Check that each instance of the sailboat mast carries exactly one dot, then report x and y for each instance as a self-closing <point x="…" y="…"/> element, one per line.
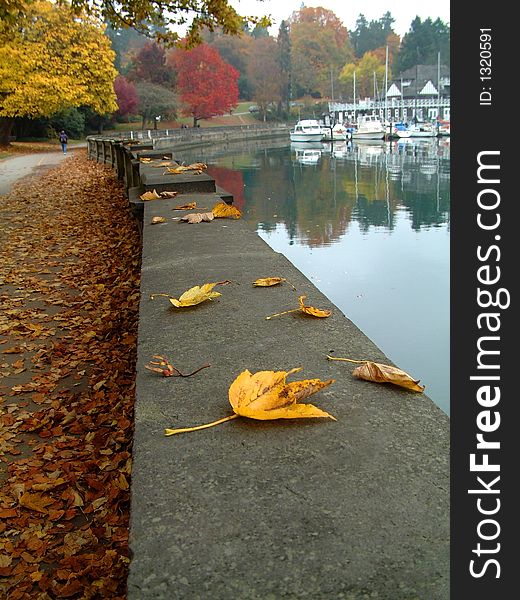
<point x="386" y="83"/>
<point x="354" y="94"/>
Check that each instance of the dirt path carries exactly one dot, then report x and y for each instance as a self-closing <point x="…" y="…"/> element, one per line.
<point x="69" y="290"/>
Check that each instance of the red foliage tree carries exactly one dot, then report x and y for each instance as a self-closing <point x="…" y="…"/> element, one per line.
<point x="208" y="85"/>
<point x="126" y="96"/>
<point x="149" y="64"/>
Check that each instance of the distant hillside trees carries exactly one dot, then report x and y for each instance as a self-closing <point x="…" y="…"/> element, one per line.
<point x="423" y="42"/>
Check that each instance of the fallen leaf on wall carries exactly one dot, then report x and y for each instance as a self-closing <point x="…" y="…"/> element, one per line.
<point x="193" y="296"/>
<point x="164" y="368"/>
<point x="308" y="310"/>
<point x="223" y="210"/>
<point x="198" y="217"/>
<point x="379" y="373"/>
<point x="268" y="281"/>
<point x="150" y="196"/>
<point x="265" y="395"/>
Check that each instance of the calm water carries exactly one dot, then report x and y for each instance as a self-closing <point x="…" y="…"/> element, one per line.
<point x="369" y="224"/>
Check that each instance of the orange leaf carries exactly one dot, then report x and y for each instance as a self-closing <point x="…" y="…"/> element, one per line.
<point x="310" y="310"/>
<point x="37" y="502"/>
<point x="226" y="210"/>
<point x="268" y="281"/>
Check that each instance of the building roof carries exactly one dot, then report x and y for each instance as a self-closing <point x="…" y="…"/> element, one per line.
<point x="421" y="80"/>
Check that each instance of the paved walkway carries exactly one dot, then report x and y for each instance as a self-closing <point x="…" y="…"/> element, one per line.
<point x="13" y="169"/>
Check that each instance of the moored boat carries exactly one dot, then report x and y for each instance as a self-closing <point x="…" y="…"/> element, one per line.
<point x="307" y="130"/>
<point x="338" y="132"/>
<point x="369" y="127"/>
<point x="423" y="130"/>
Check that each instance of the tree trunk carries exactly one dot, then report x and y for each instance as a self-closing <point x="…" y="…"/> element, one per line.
<point x="6" y="127"/>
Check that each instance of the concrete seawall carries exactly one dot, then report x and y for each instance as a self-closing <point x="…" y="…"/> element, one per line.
<point x="356" y="508"/>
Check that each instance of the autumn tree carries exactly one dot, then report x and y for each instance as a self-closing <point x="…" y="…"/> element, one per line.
<point x="157" y="19"/>
<point x="320" y="46"/>
<point x="127" y="99"/>
<point x="149" y="64"/>
<point x="206" y="83"/>
<point x="155" y="101"/>
<point x="235" y="50"/>
<point x="51" y="61"/>
<point x="370" y="73"/>
<point x="264" y="74"/>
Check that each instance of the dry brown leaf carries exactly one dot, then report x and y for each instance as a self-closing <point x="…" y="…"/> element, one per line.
<point x="150" y="196"/>
<point x="168" y="194"/>
<point x="165" y="163"/>
<point x="37" y="502"/>
<point x="223" y="210"/>
<point x="308" y="310"/>
<point x="380" y="373"/>
<point x="145" y="159"/>
<point x="187" y="206"/>
<point x="156" y="220"/>
<point x="268" y="281"/>
<point x="198" y="217"/>
<point x="196" y="167"/>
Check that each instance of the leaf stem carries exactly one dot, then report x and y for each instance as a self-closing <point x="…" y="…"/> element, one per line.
<point x="193" y="373"/>
<point x="347" y="359"/>
<point x="285" y="312"/>
<point x="187" y="429"/>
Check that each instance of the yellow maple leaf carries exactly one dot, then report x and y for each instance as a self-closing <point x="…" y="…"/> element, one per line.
<point x="265" y="395"/>
<point x="194" y="295"/>
<point x="268" y="281"/>
<point x="226" y="210"/>
<point x="308" y="310"/>
<point x="380" y="373"/>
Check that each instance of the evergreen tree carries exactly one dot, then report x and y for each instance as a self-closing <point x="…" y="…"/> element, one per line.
<point x="422" y="43"/>
<point x="284" y="59"/>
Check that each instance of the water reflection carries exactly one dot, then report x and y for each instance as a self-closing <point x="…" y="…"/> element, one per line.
<point x="368" y="222"/>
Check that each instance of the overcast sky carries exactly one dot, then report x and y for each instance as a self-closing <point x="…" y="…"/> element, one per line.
<point x="403" y="11"/>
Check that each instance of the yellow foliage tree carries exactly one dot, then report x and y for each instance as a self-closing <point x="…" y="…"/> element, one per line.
<point x="365" y="68"/>
<point x="158" y="19"/>
<point x="50" y="60"/>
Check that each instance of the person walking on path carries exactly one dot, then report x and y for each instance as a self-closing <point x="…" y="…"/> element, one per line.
<point x="63" y="139"/>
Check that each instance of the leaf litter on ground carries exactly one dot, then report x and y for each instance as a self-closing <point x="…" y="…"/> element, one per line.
<point x="69" y="295"/>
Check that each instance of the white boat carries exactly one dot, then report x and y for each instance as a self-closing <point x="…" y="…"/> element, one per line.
<point x="338" y="132"/>
<point x="369" y="127"/>
<point x="397" y="131"/>
<point x="424" y="130"/>
<point x="307" y="130"/>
